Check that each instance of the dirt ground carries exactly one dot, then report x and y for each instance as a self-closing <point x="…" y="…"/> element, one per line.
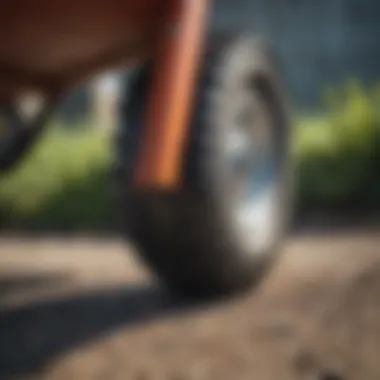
<point x="85" y="309"/>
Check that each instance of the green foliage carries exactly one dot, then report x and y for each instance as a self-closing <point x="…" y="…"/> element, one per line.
<point x="339" y="160"/>
<point x="63" y="184"/>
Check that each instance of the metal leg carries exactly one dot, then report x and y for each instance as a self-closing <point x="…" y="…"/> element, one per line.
<point x="170" y="103"/>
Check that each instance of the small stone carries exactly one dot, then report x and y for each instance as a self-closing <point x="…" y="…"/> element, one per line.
<point x="304" y="362"/>
<point x="330" y="375"/>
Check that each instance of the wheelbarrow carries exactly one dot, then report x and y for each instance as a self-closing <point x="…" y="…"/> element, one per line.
<point x="203" y="172"/>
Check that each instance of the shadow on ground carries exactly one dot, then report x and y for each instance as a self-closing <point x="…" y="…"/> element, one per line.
<point x="17" y="284"/>
<point x="31" y="336"/>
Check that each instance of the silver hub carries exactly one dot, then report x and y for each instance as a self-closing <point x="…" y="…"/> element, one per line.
<point x="250" y="152"/>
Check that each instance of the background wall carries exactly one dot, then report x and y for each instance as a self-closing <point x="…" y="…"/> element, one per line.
<point x="320" y="42"/>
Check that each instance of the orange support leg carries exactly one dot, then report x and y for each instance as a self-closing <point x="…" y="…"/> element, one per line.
<point x="172" y="94"/>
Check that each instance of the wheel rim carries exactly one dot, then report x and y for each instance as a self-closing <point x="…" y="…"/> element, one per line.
<point x="253" y="171"/>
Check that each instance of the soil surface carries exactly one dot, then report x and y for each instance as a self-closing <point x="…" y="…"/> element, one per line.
<point x="86" y="309"/>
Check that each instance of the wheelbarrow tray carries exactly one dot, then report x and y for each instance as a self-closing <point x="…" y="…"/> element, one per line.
<point x="49" y="44"/>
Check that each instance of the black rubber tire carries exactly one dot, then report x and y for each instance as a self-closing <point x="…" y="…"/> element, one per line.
<point x="186" y="237"/>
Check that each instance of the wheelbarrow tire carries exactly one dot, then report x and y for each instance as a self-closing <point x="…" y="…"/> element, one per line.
<point x="190" y="237"/>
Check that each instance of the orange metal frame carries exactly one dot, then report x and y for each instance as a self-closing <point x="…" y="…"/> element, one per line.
<point x="171" y="99"/>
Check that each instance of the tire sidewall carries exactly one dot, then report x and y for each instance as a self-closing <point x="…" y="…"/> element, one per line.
<point x="247" y="56"/>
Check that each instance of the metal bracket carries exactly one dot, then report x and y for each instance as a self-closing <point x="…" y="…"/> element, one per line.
<point x="166" y="127"/>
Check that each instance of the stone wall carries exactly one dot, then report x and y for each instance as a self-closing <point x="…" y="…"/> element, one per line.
<point x="319" y="42"/>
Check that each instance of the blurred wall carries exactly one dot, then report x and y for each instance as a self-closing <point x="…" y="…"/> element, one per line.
<point x="76" y="106"/>
<point x="319" y="43"/>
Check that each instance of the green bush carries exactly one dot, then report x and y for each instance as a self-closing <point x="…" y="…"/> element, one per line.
<point x="64" y="184"/>
<point x="339" y="160"/>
